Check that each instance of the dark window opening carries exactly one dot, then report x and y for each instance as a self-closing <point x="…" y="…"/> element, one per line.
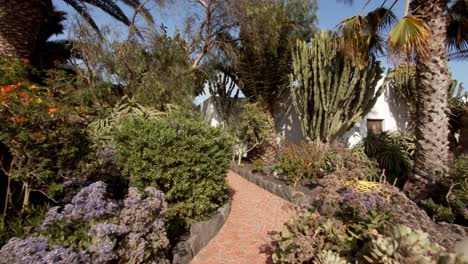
<point x="374" y="126"/>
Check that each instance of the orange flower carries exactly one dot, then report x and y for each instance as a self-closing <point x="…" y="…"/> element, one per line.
<point x="20" y="84"/>
<point x="26" y="61"/>
<point x="22" y="94"/>
<point x="56" y="62"/>
<point x="19" y="120"/>
<point x="51" y="110"/>
<point x="8" y="88"/>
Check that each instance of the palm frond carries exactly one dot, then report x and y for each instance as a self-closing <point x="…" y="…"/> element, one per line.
<point x="380" y="19"/>
<point x="354" y="32"/>
<point x="457" y="30"/>
<point x="409" y="36"/>
<point x="459" y="55"/>
<point x="82" y="10"/>
<point x="138" y="5"/>
<point x="111" y="8"/>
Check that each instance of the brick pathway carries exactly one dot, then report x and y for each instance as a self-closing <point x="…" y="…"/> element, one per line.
<point x="254" y="214"/>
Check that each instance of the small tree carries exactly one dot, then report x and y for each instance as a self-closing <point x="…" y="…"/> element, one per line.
<point x="252" y="130"/>
<point x="330" y="92"/>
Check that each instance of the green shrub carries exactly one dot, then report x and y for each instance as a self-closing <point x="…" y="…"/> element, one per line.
<point x="183" y="157"/>
<point x="45" y="141"/>
<point x="393" y="152"/>
<point x="307" y="161"/>
<point x="439" y="212"/>
<point x="22" y="224"/>
<point x="257" y="166"/>
<point x="451" y="195"/>
<point x="252" y="129"/>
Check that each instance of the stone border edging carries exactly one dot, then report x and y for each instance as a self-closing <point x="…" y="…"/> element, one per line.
<point x="200" y="234"/>
<point x="274" y="186"/>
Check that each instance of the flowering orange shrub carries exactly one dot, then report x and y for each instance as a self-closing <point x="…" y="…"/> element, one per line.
<point x="35" y="127"/>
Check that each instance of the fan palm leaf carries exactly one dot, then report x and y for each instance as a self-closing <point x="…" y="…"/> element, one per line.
<point x="410" y="35"/>
<point x="363" y="35"/>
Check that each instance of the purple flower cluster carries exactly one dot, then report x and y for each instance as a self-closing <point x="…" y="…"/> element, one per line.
<point x="130" y="231"/>
<point x="89" y="203"/>
<point x="36" y="250"/>
<point x="143" y="215"/>
<point x="362" y="203"/>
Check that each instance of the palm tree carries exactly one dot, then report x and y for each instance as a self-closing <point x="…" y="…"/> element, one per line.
<point x="409" y="40"/>
<point x="22" y="21"/>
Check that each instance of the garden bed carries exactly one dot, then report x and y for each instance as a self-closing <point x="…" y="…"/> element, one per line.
<point x="200" y="235"/>
<point x="447" y="234"/>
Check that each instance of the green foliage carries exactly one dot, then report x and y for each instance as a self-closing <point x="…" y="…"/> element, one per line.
<point x="308" y="161"/>
<point x="261" y="59"/>
<point x="22" y="224"/>
<point x="257" y="166"/>
<point x="252" y="129"/>
<point x="154" y="71"/>
<point x="100" y="130"/>
<point x="330" y="92"/>
<point x="448" y="201"/>
<point x="439" y="212"/>
<point x="393" y="152"/>
<point x="181" y="156"/>
<point x="44" y="141"/>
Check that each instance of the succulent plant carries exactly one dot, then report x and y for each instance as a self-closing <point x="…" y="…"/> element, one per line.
<point x="403" y="246"/>
<point x="452" y="259"/>
<point x="329" y="257"/>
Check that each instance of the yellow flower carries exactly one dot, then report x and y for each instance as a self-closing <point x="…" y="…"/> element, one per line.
<point x="33" y="86"/>
<point x="38" y="100"/>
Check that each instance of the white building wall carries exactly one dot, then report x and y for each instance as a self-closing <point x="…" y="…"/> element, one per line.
<point x="388" y="108"/>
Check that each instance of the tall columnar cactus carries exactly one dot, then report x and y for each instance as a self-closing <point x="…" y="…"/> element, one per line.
<point x="329" y="91"/>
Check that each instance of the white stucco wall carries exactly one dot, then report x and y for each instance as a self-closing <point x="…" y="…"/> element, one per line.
<point x="388" y="108"/>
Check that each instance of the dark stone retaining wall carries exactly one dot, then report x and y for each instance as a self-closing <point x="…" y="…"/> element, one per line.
<point x="297" y="196"/>
<point x="200" y="234"/>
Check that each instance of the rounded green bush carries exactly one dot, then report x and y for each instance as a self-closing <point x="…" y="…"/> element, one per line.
<point x="181" y="156"/>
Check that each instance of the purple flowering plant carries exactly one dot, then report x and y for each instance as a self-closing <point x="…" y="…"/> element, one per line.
<point x="96" y="229"/>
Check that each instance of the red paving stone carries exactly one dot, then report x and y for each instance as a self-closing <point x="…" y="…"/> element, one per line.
<point x="254" y="214"/>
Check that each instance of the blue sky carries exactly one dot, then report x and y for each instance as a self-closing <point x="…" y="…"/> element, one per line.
<point x="330" y="13"/>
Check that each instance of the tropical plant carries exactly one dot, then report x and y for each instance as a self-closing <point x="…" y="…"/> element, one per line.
<point x="330" y="93"/>
<point x="394" y="154"/>
<point x="259" y="54"/>
<point x="22" y="22"/>
<point x="409" y="40"/>
<point x="182" y="156"/>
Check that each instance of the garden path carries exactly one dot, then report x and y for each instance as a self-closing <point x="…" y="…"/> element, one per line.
<point x="255" y="213"/>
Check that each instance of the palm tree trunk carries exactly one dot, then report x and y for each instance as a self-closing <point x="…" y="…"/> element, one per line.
<point x="20" y="23"/>
<point x="432" y="83"/>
